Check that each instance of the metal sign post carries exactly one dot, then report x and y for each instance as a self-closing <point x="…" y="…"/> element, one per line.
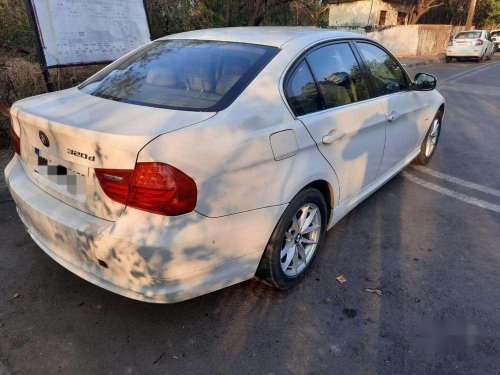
<point x="42" y="21"/>
<point x="39" y="48"/>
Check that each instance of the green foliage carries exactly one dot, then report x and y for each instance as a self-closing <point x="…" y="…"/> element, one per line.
<point x="169" y="16"/>
<point x="454" y="12"/>
<point x="491" y="14"/>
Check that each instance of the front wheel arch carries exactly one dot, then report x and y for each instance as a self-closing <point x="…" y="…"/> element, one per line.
<point x="423" y="158"/>
<point x="440" y="112"/>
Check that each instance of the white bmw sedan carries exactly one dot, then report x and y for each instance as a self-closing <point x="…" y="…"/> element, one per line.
<point x="206" y="158"/>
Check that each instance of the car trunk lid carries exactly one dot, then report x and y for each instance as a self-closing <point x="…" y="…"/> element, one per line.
<point x="66" y="135"/>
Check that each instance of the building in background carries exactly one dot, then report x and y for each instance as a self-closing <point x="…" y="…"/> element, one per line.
<point x="368" y="12"/>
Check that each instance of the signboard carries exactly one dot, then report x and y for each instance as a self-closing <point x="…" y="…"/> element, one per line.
<point x="79" y="32"/>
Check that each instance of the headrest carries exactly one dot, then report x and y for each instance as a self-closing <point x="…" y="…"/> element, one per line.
<point x="199" y="79"/>
<point x="235" y="65"/>
<point x="161" y="76"/>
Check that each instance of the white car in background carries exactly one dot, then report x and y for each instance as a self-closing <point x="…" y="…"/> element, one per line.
<point x="205" y="158"/>
<point x="475" y="44"/>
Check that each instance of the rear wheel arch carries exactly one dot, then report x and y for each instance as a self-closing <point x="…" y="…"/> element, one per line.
<point x="270" y="269"/>
<point x="326" y="189"/>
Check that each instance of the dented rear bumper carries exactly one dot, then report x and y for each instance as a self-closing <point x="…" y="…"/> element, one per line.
<point x="143" y="256"/>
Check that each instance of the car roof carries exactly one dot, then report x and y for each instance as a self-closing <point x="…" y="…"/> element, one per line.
<point x="275" y="36"/>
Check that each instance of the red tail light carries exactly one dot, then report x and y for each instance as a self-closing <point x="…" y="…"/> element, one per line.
<point x="479" y="42"/>
<point x="153" y="187"/>
<point x="115" y="183"/>
<point x="450" y="43"/>
<point x="16" y="141"/>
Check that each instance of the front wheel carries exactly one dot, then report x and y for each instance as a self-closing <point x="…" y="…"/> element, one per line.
<point x="430" y="142"/>
<point x="295" y="241"/>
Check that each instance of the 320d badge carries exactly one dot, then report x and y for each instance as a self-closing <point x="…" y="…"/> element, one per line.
<point x="82" y="155"/>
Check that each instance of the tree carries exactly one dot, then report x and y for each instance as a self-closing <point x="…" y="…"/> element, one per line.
<point x="258" y="9"/>
<point x="491" y="13"/>
<point x="422" y="7"/>
<point x="454" y="12"/>
<point x="309" y="12"/>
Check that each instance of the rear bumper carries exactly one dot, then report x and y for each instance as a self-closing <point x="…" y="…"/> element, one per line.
<point x="460" y="52"/>
<point x="146" y="257"/>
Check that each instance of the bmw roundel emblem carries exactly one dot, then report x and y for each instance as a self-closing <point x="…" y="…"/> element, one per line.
<point x="44" y="138"/>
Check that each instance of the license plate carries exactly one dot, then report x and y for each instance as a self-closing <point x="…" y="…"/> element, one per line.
<point x="65" y="176"/>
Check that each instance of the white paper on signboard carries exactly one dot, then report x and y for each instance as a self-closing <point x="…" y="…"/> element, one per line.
<point x="89" y="31"/>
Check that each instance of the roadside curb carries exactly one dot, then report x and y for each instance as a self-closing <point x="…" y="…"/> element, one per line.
<point x="414" y="64"/>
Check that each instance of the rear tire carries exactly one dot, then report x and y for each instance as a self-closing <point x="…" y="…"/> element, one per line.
<point x="295" y="241"/>
<point x="429" y="144"/>
<point x="448" y="59"/>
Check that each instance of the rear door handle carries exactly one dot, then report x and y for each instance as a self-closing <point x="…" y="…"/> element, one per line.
<point x="333" y="136"/>
<point x="393" y="116"/>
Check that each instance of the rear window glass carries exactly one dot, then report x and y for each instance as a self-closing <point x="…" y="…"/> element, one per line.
<point x="181" y="74"/>
<point x="468" y="35"/>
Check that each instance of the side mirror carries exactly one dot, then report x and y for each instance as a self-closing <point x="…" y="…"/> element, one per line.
<point x="424" y="82"/>
<point x="4" y="108"/>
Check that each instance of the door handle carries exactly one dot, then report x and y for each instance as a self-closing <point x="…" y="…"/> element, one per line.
<point x="393" y="116"/>
<point x="333" y="136"/>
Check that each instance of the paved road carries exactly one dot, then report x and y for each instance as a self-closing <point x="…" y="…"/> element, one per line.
<point x="429" y="240"/>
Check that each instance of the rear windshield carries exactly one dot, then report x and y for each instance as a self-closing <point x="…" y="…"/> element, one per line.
<point x="192" y="75"/>
<point x="468" y="35"/>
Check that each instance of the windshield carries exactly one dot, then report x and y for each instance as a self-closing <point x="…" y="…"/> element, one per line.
<point x="191" y="75"/>
<point x="468" y="35"/>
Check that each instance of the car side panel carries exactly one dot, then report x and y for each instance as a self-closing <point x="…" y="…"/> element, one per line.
<point x="403" y="133"/>
<point x="230" y="156"/>
<point x="357" y="155"/>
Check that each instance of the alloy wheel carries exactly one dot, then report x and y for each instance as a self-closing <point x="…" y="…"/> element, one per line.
<point x="301" y="240"/>
<point x="432" y="138"/>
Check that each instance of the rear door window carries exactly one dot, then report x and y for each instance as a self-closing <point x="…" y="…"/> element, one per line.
<point x="339" y="76"/>
<point x="387" y="75"/>
<point x="192" y="75"/>
<point x="302" y="92"/>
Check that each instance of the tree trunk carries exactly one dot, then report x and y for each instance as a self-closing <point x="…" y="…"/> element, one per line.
<point x="228" y="12"/>
<point x="257" y="13"/>
<point x="470" y="14"/>
<point x="421" y="8"/>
